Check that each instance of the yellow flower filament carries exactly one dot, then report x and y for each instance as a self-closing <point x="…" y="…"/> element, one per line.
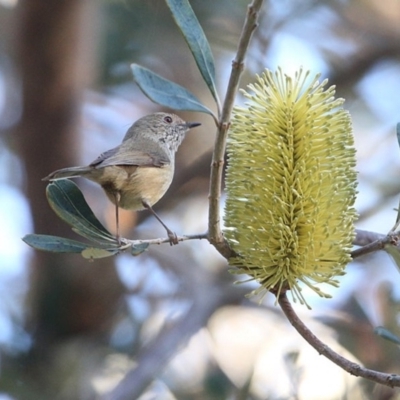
<point x="290" y="184"/>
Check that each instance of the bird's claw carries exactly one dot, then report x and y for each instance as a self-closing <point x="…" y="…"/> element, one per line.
<point x="173" y="238"/>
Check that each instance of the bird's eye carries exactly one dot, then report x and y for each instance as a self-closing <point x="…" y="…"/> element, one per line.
<point x="168" y="119"/>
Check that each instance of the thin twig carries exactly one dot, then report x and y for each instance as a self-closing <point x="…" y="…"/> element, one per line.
<point x="366" y="237"/>
<point x="376" y="242"/>
<point x="349" y="366"/>
<point x="214" y="222"/>
<point x="128" y="242"/>
<point x="369" y="248"/>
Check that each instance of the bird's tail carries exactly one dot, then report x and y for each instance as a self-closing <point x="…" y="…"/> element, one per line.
<point x="71" y="172"/>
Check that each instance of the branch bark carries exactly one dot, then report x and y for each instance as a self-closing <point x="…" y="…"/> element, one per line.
<point x="390" y="380"/>
<point x="217" y="165"/>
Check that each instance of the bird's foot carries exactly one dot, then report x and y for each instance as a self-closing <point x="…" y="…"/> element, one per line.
<point x="173" y="238"/>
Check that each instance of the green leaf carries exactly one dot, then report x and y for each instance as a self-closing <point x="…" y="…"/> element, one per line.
<point x="92" y="253"/>
<point x="139" y="248"/>
<point x="395" y="253"/>
<point x="165" y="92"/>
<point x="386" y="334"/>
<point x="54" y="244"/>
<point x="396" y="225"/>
<point x="67" y="201"/>
<point x="194" y="35"/>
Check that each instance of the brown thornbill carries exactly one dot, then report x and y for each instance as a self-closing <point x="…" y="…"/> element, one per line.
<point x="137" y="173"/>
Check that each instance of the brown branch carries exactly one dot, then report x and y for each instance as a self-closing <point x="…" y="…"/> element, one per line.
<point x="214" y="222"/>
<point x="371" y="242"/>
<point x="366" y="237"/>
<point x="369" y="248"/>
<point x="391" y="380"/>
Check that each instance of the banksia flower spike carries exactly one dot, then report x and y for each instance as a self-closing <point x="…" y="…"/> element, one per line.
<point x="291" y="185"/>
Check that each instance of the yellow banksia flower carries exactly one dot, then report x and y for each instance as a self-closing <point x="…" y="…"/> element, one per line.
<point x="291" y="185"/>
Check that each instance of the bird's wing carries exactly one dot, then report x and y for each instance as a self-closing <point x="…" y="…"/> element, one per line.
<point x="122" y="156"/>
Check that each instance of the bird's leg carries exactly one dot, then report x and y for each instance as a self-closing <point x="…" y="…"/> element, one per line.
<point x="117" y="197"/>
<point x="173" y="239"/>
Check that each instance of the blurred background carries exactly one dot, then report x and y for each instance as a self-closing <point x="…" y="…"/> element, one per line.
<point x="70" y="329"/>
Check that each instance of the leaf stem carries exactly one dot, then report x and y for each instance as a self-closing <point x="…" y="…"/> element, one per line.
<point x="217" y="166"/>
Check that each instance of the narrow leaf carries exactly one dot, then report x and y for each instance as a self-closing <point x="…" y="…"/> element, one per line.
<point x="397" y="218"/>
<point x="398" y="209"/>
<point x="139" y="248"/>
<point x="54" y="244"/>
<point x="386" y="334"/>
<point x="194" y="35"/>
<point x="92" y="253"/>
<point x="67" y="201"/>
<point x="395" y="253"/>
<point x="165" y="92"/>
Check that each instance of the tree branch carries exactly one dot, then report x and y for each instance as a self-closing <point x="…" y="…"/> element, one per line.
<point x="214" y="222"/>
<point x="371" y="241"/>
<point x="126" y="243"/>
<point x="391" y="380"/>
<point x="366" y="237"/>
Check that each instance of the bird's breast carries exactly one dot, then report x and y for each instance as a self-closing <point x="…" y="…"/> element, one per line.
<point x="135" y="185"/>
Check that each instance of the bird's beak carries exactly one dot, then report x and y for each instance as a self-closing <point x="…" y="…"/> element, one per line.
<point x="191" y="125"/>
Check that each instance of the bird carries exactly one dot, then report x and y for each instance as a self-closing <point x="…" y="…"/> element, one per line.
<point x="138" y="172"/>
